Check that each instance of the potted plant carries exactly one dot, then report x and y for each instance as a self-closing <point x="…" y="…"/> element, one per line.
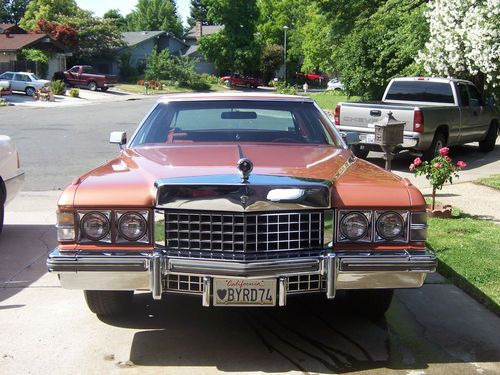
<point x="438" y="171"/>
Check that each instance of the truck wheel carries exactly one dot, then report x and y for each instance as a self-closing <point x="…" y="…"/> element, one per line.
<point x="358" y="152"/>
<point x="488" y="144"/>
<point x="438" y="142"/>
<point x="104" y="89"/>
<point x="92" y="86"/>
<point x="370" y="302"/>
<point x="108" y="303"/>
<point x="248" y="86"/>
<point x="29" y="90"/>
<point x="227" y="83"/>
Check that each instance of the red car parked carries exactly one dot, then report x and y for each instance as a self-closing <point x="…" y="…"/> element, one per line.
<point x="240" y="80"/>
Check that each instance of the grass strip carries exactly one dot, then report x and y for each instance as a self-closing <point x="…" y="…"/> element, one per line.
<point x="468" y="250"/>
<point x="330" y="99"/>
<point x="167" y="89"/>
<point x="491" y="181"/>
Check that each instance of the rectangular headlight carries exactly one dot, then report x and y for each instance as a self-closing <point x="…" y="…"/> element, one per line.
<point x="65" y="226"/>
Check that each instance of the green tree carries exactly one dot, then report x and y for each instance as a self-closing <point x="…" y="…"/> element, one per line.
<point x="234" y="48"/>
<point x="114" y="16"/>
<point x="152" y="15"/>
<point x="48" y="10"/>
<point x="198" y="12"/>
<point x="11" y="11"/>
<point x="270" y="60"/>
<point x="381" y="47"/>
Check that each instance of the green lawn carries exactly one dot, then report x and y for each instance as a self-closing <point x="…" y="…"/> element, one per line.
<point x="468" y="250"/>
<point x="170" y="89"/>
<point x="329" y="99"/>
<point x="491" y="181"/>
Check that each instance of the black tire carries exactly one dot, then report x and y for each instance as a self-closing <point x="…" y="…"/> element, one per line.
<point x="104" y="89"/>
<point x="248" y="86"/>
<point x="358" y="152"/>
<point x="370" y="302"/>
<point x="438" y="142"/>
<point x="488" y="144"/>
<point x="29" y="90"/>
<point x="92" y="86"/>
<point x="108" y="303"/>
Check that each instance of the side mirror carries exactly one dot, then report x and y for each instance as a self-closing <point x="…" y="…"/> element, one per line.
<point x="119" y="138"/>
<point x="350" y="138"/>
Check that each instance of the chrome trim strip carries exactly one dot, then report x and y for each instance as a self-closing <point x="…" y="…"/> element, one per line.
<point x="331" y="273"/>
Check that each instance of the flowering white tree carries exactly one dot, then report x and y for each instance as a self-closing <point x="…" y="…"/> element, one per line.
<point x="464" y="39"/>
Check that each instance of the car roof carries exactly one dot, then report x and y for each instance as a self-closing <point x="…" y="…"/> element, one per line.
<point x="234" y="96"/>
<point x="18" y="72"/>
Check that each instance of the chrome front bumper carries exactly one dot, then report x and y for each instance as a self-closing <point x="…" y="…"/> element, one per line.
<point x="148" y="271"/>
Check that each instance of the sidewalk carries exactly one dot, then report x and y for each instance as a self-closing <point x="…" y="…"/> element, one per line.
<point x="86" y="97"/>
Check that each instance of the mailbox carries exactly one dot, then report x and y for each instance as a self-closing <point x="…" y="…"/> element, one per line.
<point x="389" y="131"/>
<point x="389" y="134"/>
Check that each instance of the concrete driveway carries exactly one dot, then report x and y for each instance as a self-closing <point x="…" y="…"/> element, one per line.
<point x="45" y="329"/>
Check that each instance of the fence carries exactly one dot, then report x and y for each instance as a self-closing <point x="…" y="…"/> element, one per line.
<point x="20" y="66"/>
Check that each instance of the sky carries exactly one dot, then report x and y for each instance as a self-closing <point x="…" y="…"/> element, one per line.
<point x="99" y="7"/>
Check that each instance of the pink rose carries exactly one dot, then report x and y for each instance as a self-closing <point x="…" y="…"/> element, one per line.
<point x="447" y="158"/>
<point x="461" y="164"/>
<point x="437" y="165"/>
<point x="417" y="162"/>
<point x="412" y="167"/>
<point x="444" y="151"/>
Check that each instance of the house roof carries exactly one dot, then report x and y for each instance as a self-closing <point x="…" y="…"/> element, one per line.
<point x="132" y="38"/>
<point x="15" y="42"/>
<point x="205" y="30"/>
<point x="191" y="50"/>
<point x="12" y="28"/>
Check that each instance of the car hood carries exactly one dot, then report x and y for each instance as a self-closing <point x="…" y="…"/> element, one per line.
<point x="129" y="179"/>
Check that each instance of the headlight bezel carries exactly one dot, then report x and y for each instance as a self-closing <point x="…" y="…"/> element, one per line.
<point x="83" y="236"/>
<point x="367" y="234"/>
<point x="402" y="236"/>
<point x="122" y="237"/>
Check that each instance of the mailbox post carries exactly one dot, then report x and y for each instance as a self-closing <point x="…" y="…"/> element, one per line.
<point x="389" y="134"/>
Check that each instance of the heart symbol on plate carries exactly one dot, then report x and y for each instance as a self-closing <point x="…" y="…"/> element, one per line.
<point x="221" y="293"/>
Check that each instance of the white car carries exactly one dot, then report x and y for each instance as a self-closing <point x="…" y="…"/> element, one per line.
<point x="24" y="81"/>
<point x="334" y="84"/>
<point x="11" y="175"/>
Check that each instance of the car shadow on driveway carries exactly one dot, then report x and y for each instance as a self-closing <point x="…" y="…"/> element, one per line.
<point x="23" y="253"/>
<point x="313" y="335"/>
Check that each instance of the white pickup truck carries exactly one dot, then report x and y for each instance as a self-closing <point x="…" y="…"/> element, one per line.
<point x="437" y="112"/>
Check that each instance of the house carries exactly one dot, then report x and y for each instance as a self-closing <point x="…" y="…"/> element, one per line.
<point x="138" y="46"/>
<point x="192" y="40"/>
<point x="13" y="39"/>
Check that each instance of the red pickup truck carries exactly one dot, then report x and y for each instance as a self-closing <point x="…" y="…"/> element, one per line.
<point x="240" y="80"/>
<point x="86" y="76"/>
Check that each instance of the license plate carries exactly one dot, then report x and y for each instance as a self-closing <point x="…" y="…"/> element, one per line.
<point x="237" y="292"/>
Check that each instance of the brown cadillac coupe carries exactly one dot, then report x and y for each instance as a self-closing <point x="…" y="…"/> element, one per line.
<point x="242" y="200"/>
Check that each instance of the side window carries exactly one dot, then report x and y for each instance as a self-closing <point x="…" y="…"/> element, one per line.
<point x="7" y="76"/>
<point x="464" y="95"/>
<point x="74" y="69"/>
<point x="20" y="77"/>
<point x="475" y="97"/>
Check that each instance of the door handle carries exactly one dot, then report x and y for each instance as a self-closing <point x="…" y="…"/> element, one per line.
<point x="375" y="113"/>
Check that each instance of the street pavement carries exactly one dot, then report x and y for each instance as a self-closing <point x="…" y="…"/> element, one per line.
<point x="45" y="329"/>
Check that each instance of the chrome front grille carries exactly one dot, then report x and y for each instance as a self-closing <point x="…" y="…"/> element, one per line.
<point x="242" y="233"/>
<point x="183" y="284"/>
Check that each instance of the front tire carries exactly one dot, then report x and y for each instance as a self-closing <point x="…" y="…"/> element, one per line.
<point x="104" y="89"/>
<point x="488" y="144"/>
<point x="370" y="302"/>
<point x="29" y="91"/>
<point x="108" y="303"/>
<point x="358" y="152"/>
<point x="92" y="86"/>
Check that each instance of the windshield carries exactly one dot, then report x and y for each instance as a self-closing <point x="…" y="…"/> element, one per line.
<point x="235" y="121"/>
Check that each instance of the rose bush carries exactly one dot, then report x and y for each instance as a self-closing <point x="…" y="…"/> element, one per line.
<point x="437" y="171"/>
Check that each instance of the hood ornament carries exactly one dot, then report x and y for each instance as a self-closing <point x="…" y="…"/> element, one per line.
<point x="245" y="166"/>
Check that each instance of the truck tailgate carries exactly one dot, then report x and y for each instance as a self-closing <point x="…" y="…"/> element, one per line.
<point x="364" y="115"/>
